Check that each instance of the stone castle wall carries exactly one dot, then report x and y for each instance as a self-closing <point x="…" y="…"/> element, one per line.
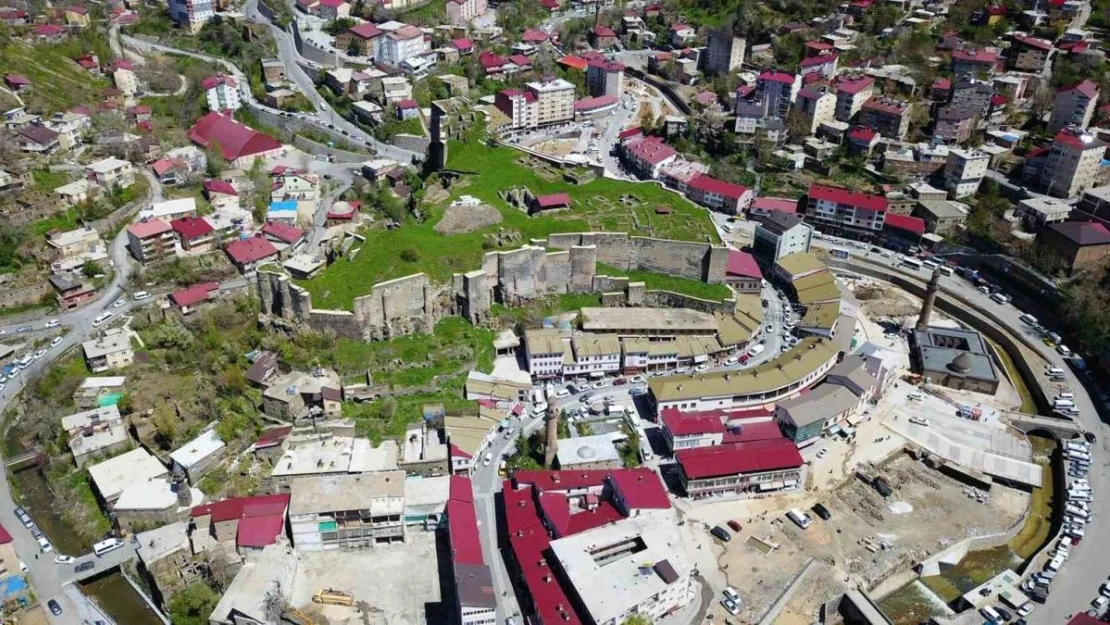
<point x="414" y="304"/>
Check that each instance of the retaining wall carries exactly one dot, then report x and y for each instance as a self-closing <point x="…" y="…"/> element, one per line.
<point x="307" y="50"/>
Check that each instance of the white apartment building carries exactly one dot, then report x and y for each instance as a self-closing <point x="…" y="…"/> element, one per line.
<point x="593" y="355"/>
<point x="1072" y="163"/>
<point x="1074" y="106"/>
<point x="111" y="172"/>
<point x="540" y="104"/>
<point x="397" y="45"/>
<point x="851" y="93"/>
<point x="605" y="78"/>
<point x="964" y="171"/>
<point x="781" y="234"/>
<point x="70" y="128"/>
<point x="545" y="353"/>
<point x="123" y="77"/>
<point x="816" y="106"/>
<point x="635" y="566"/>
<point x="462" y="12"/>
<point x="111" y="351"/>
<point x="222" y="93"/>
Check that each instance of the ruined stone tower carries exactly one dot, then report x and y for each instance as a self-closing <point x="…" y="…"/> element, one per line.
<point x="551" y="444"/>
<point x="930" y="300"/>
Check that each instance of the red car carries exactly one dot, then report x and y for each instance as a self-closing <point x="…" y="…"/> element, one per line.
<point x="744" y="358"/>
<point x="736" y="527"/>
<point x="619" y="382"/>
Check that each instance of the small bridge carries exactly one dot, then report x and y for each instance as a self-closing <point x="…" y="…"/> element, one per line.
<point x="24" y="460"/>
<point x="1029" y="422"/>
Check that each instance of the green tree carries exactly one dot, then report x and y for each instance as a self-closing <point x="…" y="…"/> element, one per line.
<point x="91" y="269"/>
<point x="637" y="619"/>
<point x="193" y="605"/>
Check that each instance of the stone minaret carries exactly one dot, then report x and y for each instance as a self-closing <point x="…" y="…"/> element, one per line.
<point x="551" y="445"/>
<point x="930" y="300"/>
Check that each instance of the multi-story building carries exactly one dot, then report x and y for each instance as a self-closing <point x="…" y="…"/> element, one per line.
<point x="1074" y="106"/>
<point x="1078" y="245"/>
<point x="222" y="93"/>
<point x="1072" y="163"/>
<point x="540" y="104"/>
<point x="648" y="156"/>
<point x="605" y="78"/>
<point x="724" y="53"/>
<point x="940" y="216"/>
<point x="805" y="418"/>
<point x="890" y="118"/>
<point x="462" y="12"/>
<point x="972" y="94"/>
<point x="191" y="14"/>
<point x="780" y="234"/>
<point x="851" y="93"/>
<point x="738" y="469"/>
<point x="110" y="351"/>
<point x="359" y="39"/>
<point x="397" y="45"/>
<point x="778" y="88"/>
<point x="1038" y="212"/>
<point x="719" y="195"/>
<point x="545" y="352"/>
<point x="954" y="123"/>
<point x="816" y="106"/>
<point x="1029" y="54"/>
<point x="592" y="354"/>
<point x="151" y="240"/>
<point x="123" y="77"/>
<point x="347" y="511"/>
<point x="752" y="110"/>
<point x="964" y="171"/>
<point x="844" y="209"/>
<point x="975" y="63"/>
<point x="71" y="127"/>
<point x="1094" y="205"/>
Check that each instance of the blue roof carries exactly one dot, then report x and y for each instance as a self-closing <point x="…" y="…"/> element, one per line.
<point x="1010" y="137"/>
<point x="284" y="205"/>
<point x="12" y="585"/>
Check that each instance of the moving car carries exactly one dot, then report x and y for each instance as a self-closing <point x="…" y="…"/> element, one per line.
<point x="919" y="420"/>
<point x="64" y="560"/>
<point x="53" y="323"/>
<point x="120" y="302"/>
<point x="141" y="295"/>
<point x="56" y="342"/>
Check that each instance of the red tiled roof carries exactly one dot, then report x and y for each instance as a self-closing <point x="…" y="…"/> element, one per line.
<point x="855" y="199"/>
<point x="854" y="85"/>
<point x="5" y="537"/>
<point x="573" y="62"/>
<point x="915" y="225"/>
<point x="150" y="228"/>
<point x="604" y="514"/>
<point x="769" y="204"/>
<point x="629" y="132"/>
<point x="996" y="10"/>
<point x="736" y="458"/>
<point x="533" y="35"/>
<point x="1082" y="618"/>
<point x="1077" y="140"/>
<point x="942" y="83"/>
<point x="679" y="27"/>
<point x="243" y="507"/>
<point x="220" y="186"/>
<point x="460" y="489"/>
<point x="247" y="251"/>
<point x="742" y="264"/>
<point x="553" y="200"/>
<point x="863" y="134"/>
<point x="975" y="56"/>
<point x="46" y="30"/>
<point x="890" y="107"/>
<point x="462" y="43"/>
<point x="163" y="165"/>
<point x="273" y="437"/>
<point x="651" y="150"/>
<point x="640" y="488"/>
<point x="406" y="104"/>
<point x="16" y="80"/>
<point x="1034" y="42"/>
<point x="821" y="59"/>
<point x="194" y="294"/>
<point x="782" y="77"/>
<point x="707" y="184"/>
<point x="458" y="453"/>
<point x="78" y="10"/>
<point x="604" y="31"/>
<point x="490" y="61"/>
<point x="259" y="531"/>
<point x="590" y="104"/>
<point x="462" y="527"/>
<point x="686" y="424"/>
<point x="217" y="80"/>
<point x="1087" y="88"/>
<point x="755" y="431"/>
<point x="190" y="227"/>
<point x="543" y="480"/>
<point x="283" y="232"/>
<point x="365" y="31"/>
<point x="529" y="541"/>
<point x="999" y="100"/>
<point x="235" y="140"/>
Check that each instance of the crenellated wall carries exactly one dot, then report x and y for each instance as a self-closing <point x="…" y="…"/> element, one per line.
<point x="413" y="304"/>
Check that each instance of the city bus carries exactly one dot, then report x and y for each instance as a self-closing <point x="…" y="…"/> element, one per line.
<point x="912" y="263"/>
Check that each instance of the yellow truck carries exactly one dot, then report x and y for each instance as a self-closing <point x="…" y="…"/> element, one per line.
<point x="333" y="597"/>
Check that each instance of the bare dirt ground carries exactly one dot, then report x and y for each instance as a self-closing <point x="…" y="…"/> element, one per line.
<point x="936" y="512"/>
<point x="459" y="219"/>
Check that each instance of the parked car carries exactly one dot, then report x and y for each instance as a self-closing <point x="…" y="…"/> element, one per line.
<point x="64" y="560"/>
<point x="84" y="566"/>
<point x="735" y="525"/>
<point x="730" y="607"/>
<point x="55" y="609"/>
<point x="821" y="511"/>
<point x="721" y="533"/>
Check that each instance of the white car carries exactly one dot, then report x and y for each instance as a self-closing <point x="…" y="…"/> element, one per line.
<point x="39" y="354"/>
<point x="821" y="454"/>
<point x="701" y="367"/>
<point x="119" y="302"/>
<point x="22" y="566"/>
<point x="141" y="295"/>
<point x="53" y="323"/>
<point x="919" y="421"/>
<point x="65" y="560"/>
<point x="731" y="360"/>
<point x="1099" y="603"/>
<point x="56" y="342"/>
<point x="600" y="384"/>
<point x="915" y="395"/>
<point x="730" y="607"/>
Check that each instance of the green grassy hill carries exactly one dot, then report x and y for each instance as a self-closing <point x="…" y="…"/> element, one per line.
<point x="57" y="83"/>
